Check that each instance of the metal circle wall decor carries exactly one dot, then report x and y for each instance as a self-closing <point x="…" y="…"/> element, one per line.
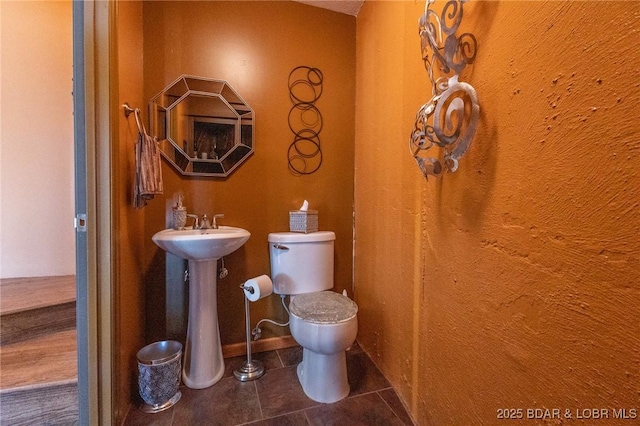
<point x="450" y="118"/>
<point x="305" y="120"/>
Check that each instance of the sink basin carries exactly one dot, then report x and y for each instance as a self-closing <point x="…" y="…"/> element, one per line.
<point x="201" y="244"/>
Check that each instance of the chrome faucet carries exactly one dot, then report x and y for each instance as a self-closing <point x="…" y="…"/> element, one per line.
<point x="205" y="222"/>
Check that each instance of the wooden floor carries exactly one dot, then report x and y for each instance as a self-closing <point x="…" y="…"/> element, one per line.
<point x="38" y="351"/>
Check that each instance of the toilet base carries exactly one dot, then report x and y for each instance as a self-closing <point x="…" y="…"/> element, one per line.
<point x="324" y="377"/>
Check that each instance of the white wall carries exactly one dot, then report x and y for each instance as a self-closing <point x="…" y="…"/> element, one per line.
<point x="37" y="237"/>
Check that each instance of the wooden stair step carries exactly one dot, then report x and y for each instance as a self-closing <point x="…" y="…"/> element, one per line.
<point x="24" y="294"/>
<point x="31" y="324"/>
<point x="45" y="359"/>
<point x="39" y="380"/>
<point x="33" y="307"/>
<point x="38" y="351"/>
<point x="50" y="404"/>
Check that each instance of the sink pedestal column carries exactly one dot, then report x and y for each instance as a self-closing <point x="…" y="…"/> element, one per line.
<point x="203" y="361"/>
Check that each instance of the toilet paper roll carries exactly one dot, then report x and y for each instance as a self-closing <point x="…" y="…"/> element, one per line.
<point x="258" y="287"/>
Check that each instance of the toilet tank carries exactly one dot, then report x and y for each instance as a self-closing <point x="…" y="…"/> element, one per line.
<point x="301" y="263"/>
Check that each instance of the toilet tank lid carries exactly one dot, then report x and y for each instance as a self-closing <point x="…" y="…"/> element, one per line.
<point x="298" y="237"/>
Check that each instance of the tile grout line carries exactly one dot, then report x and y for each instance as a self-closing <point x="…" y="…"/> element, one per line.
<point x="306" y="416"/>
<point x="280" y="358"/>
<point x="255" y="386"/>
<point x="370" y="392"/>
<point x="387" y="404"/>
<point x="301" y="410"/>
<point x="173" y="414"/>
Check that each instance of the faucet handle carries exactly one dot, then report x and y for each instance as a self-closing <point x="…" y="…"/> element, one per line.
<point x="215" y="216"/>
<point x="196" y="225"/>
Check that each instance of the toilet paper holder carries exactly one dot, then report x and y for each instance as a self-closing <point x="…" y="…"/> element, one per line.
<point x="251" y="369"/>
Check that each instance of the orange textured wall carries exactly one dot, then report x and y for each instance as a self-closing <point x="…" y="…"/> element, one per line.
<point x="515" y="281"/>
<point x="254" y="46"/>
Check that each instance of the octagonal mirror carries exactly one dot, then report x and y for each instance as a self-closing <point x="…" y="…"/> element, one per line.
<point x="203" y="126"/>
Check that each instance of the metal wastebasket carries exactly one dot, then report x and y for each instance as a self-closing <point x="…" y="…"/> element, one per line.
<point x="159" y="375"/>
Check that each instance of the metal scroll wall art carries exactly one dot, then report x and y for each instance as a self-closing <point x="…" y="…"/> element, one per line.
<point x="450" y="118"/>
<point x="305" y="120"/>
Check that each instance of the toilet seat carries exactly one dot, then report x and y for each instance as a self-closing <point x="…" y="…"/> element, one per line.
<point x="324" y="307"/>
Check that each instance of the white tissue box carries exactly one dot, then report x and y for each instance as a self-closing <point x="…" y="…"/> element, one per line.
<point x="303" y="221"/>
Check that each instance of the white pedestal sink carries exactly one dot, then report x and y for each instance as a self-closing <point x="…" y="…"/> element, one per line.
<point x="203" y="362"/>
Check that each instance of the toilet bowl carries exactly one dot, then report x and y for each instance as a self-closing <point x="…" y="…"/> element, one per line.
<point x="323" y="322"/>
<point x="325" y="325"/>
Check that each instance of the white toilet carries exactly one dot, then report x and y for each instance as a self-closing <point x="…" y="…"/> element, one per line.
<point x="323" y="322"/>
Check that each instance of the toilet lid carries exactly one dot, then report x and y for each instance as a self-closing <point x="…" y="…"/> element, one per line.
<point x="325" y="307"/>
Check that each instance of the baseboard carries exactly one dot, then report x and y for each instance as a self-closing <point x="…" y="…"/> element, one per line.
<point x="262" y="345"/>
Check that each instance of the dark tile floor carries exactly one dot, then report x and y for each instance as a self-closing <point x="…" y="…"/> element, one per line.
<point x="278" y="399"/>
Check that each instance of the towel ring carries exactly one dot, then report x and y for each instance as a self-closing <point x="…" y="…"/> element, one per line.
<point x="136" y="112"/>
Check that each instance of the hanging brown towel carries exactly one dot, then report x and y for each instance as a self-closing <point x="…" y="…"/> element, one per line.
<point x="148" y="181"/>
